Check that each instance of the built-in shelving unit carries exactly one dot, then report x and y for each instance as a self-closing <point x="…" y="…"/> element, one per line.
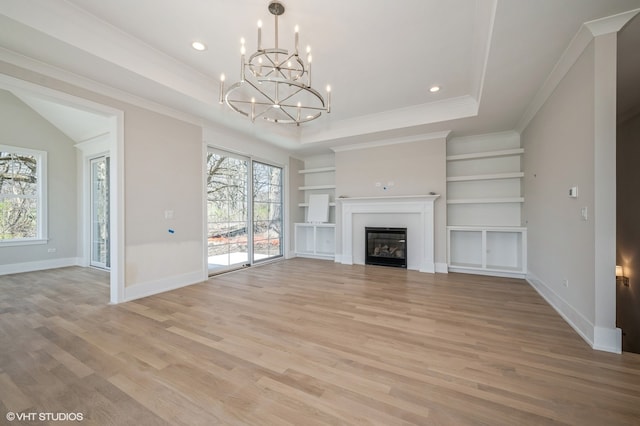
<point x="500" y="251"/>
<point x="484" y="203"/>
<point x="318" y="179"/>
<point x="317" y="240"/>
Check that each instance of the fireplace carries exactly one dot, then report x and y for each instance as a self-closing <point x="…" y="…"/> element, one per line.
<point x="386" y="246"/>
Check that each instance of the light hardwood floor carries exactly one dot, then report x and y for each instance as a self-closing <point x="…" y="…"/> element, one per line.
<point x="305" y="342"/>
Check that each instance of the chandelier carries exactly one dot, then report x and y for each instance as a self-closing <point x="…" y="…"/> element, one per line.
<point x="275" y="85"/>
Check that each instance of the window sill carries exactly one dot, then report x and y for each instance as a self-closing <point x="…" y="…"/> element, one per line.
<point x="29" y="242"/>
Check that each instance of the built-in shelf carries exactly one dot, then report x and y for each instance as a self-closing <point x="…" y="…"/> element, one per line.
<point x="487" y="250"/>
<point x="486" y="200"/>
<point x="315" y="240"/>
<point x="494" y="176"/>
<point x="317" y="170"/>
<point x="487" y="154"/>
<point x="331" y="204"/>
<point x="314" y="187"/>
<point x="484" y="209"/>
<point x="319" y="180"/>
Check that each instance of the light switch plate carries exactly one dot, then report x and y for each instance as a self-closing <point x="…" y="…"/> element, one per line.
<point x="573" y="192"/>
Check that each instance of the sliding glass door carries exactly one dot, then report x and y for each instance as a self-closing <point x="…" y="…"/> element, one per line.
<point x="239" y="189"/>
<point x="227" y="210"/>
<point x="267" y="211"/>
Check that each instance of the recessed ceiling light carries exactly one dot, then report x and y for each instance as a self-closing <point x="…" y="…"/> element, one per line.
<point x="199" y="46"/>
<point x="434" y="89"/>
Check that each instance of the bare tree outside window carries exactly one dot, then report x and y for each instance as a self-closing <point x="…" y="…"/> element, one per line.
<point x="227" y="209"/>
<point x="18" y="195"/>
<point x="228" y="199"/>
<point x="267" y="209"/>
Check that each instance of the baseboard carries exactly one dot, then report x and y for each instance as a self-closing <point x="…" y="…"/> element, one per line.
<point x="491" y="273"/>
<point x="429" y="268"/>
<point x="599" y="338"/>
<point x="608" y="339"/>
<point x="150" y="288"/>
<point x="39" y="265"/>
<point x="442" y="268"/>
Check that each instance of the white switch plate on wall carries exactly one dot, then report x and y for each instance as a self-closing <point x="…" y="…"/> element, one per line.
<point x="573" y="192"/>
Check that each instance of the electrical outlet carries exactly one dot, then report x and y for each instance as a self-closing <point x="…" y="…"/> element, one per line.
<point x="51" y="250"/>
<point x="565" y="283"/>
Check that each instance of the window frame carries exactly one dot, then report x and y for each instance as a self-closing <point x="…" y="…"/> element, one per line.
<point x="41" y="196"/>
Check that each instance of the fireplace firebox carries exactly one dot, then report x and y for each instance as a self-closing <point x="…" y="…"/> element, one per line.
<point x="386" y="246"/>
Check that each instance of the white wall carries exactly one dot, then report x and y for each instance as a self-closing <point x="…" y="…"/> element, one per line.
<point x="414" y="168"/>
<point x="568" y="143"/>
<point x="21" y="126"/>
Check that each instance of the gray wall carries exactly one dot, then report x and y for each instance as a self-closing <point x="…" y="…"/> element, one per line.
<point x="415" y="168"/>
<point x="162" y="171"/>
<point x="23" y="127"/>
<point x="571" y="142"/>
<point x="628" y="232"/>
<point x="559" y="149"/>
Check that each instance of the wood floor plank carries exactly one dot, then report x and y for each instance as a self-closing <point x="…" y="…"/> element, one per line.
<point x="305" y="342"/>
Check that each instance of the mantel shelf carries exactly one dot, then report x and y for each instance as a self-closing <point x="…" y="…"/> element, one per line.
<point x="489" y="154"/>
<point x="495" y="176"/>
<point x="486" y="200"/>
<point x="318" y="170"/>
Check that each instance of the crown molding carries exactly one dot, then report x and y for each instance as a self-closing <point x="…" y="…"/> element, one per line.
<point x="610" y="24"/>
<point x="576" y="47"/>
<point x="409" y="139"/>
<point x="429" y="113"/>
<point x="29" y="64"/>
<point x="485" y="22"/>
<point x="505" y="135"/>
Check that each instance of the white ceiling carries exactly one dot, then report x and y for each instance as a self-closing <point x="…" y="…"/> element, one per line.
<point x="79" y="125"/>
<point x="489" y="56"/>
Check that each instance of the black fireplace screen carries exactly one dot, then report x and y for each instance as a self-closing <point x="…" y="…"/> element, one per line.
<point x="386" y="247"/>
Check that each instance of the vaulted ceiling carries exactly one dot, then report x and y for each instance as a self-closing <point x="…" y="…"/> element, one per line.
<point x="489" y="57"/>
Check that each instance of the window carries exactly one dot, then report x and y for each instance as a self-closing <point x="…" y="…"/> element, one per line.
<point x="22" y="196"/>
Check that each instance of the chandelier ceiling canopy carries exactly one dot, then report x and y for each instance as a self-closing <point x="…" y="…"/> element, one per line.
<point x="275" y="84"/>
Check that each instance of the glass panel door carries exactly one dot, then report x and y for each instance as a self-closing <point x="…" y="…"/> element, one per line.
<point x="267" y="211"/>
<point x="227" y="210"/>
<point x="100" y="250"/>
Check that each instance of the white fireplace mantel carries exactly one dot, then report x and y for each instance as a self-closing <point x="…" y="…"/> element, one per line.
<point x="418" y="207"/>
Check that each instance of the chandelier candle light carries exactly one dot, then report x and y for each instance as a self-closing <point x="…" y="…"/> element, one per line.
<point x="274" y="84"/>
